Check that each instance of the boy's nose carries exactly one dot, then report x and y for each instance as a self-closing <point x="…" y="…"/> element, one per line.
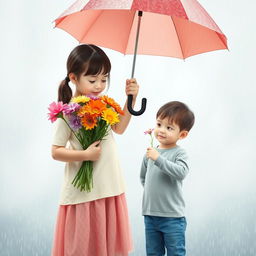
<point x="161" y="131"/>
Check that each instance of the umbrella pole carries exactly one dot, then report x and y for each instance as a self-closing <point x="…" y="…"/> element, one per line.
<point x="130" y="97"/>
<point x="136" y="43"/>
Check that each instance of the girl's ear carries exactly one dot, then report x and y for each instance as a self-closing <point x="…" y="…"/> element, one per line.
<point x="72" y="78"/>
<point x="183" y="134"/>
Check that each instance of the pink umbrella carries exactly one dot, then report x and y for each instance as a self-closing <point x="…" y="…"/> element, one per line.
<point x="175" y="28"/>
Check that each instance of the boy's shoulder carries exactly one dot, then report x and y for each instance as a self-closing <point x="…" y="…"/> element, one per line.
<point x="178" y="151"/>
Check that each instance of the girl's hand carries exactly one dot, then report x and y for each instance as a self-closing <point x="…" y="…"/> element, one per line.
<point x="132" y="88"/>
<point x="152" y="153"/>
<point x="93" y="151"/>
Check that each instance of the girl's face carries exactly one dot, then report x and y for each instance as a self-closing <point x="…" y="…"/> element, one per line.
<point x="168" y="133"/>
<point x="92" y="85"/>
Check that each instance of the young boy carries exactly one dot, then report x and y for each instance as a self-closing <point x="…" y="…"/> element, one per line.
<point x="162" y="172"/>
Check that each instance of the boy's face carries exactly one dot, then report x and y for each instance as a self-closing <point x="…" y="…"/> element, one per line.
<point x="168" y="133"/>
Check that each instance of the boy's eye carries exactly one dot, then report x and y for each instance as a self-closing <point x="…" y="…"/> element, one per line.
<point x="169" y="128"/>
<point x="158" y="124"/>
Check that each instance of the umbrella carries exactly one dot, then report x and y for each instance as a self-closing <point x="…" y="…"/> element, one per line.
<point x="175" y="28"/>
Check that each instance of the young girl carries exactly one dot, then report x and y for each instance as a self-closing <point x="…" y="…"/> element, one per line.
<point x="94" y="223"/>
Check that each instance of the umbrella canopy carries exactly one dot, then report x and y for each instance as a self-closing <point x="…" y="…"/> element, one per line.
<point x="175" y="28"/>
<point x="184" y="30"/>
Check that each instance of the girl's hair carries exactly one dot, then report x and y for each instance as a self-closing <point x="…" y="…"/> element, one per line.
<point x="87" y="59"/>
<point x="179" y="113"/>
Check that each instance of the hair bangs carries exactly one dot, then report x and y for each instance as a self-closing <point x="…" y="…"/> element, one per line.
<point x="97" y="64"/>
<point x="178" y="113"/>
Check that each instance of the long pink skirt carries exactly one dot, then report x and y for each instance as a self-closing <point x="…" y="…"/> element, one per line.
<point x="96" y="228"/>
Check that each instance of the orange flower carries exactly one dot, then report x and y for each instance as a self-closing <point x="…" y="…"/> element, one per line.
<point x="89" y="121"/>
<point x="95" y="107"/>
<point x="82" y="111"/>
<point x="110" y="116"/>
<point x="111" y="102"/>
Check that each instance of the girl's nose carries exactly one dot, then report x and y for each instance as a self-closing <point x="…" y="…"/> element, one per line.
<point x="98" y="85"/>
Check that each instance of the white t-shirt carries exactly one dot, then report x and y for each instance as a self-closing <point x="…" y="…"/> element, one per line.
<point x="107" y="175"/>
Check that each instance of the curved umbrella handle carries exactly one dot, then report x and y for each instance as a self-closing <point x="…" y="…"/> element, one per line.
<point x="130" y="97"/>
<point x="133" y="112"/>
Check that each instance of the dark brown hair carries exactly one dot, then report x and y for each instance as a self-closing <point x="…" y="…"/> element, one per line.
<point x="179" y="113"/>
<point x="87" y="59"/>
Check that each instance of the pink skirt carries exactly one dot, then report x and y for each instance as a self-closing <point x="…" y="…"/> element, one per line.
<point x="96" y="228"/>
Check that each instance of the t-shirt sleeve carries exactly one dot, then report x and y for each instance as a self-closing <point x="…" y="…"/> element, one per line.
<point x="61" y="133"/>
<point x="143" y="170"/>
<point x="178" y="169"/>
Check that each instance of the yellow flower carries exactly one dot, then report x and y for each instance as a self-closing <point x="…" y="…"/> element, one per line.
<point x="110" y="116"/>
<point x="80" y="99"/>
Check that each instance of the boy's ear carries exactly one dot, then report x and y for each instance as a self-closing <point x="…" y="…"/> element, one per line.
<point x="183" y="134"/>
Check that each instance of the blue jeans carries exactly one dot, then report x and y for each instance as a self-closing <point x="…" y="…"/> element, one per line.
<point x="165" y="232"/>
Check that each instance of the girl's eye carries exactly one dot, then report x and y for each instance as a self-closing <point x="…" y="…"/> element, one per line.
<point x="103" y="81"/>
<point x="92" y="82"/>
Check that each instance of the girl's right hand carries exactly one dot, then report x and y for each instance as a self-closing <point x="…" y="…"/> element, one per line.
<point x="93" y="151"/>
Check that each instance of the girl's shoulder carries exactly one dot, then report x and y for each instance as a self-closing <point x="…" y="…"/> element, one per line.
<point x="61" y="133"/>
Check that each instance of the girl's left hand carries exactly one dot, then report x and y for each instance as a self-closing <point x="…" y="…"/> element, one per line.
<point x="132" y="88"/>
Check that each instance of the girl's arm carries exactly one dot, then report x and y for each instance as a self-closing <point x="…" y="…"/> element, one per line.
<point x="92" y="153"/>
<point x="132" y="88"/>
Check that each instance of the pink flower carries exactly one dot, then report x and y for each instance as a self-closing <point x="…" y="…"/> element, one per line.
<point x="149" y="131"/>
<point x="56" y="110"/>
<point x="70" y="108"/>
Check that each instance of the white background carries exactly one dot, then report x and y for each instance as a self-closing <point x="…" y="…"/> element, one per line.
<point x="220" y="87"/>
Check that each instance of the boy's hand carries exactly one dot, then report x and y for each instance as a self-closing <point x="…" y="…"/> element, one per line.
<point x="132" y="88"/>
<point x="152" y="153"/>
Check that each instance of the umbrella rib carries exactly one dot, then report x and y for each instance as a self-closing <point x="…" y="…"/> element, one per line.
<point x="222" y="40"/>
<point x="129" y="34"/>
<point x="178" y="38"/>
<point x="86" y="32"/>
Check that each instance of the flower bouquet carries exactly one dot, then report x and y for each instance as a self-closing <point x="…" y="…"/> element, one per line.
<point x="89" y="119"/>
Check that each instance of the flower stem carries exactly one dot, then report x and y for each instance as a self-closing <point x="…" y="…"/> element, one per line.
<point x="71" y="129"/>
<point x="151" y="141"/>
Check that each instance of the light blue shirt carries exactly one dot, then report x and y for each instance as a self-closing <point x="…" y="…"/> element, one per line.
<point x="162" y="181"/>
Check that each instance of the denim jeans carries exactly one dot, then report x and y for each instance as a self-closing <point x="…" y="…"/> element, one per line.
<point x="165" y="233"/>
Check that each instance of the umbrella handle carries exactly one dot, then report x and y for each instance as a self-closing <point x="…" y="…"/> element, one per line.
<point x="132" y="111"/>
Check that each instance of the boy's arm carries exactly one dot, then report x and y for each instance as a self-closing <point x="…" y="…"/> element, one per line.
<point x="143" y="170"/>
<point x="177" y="169"/>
